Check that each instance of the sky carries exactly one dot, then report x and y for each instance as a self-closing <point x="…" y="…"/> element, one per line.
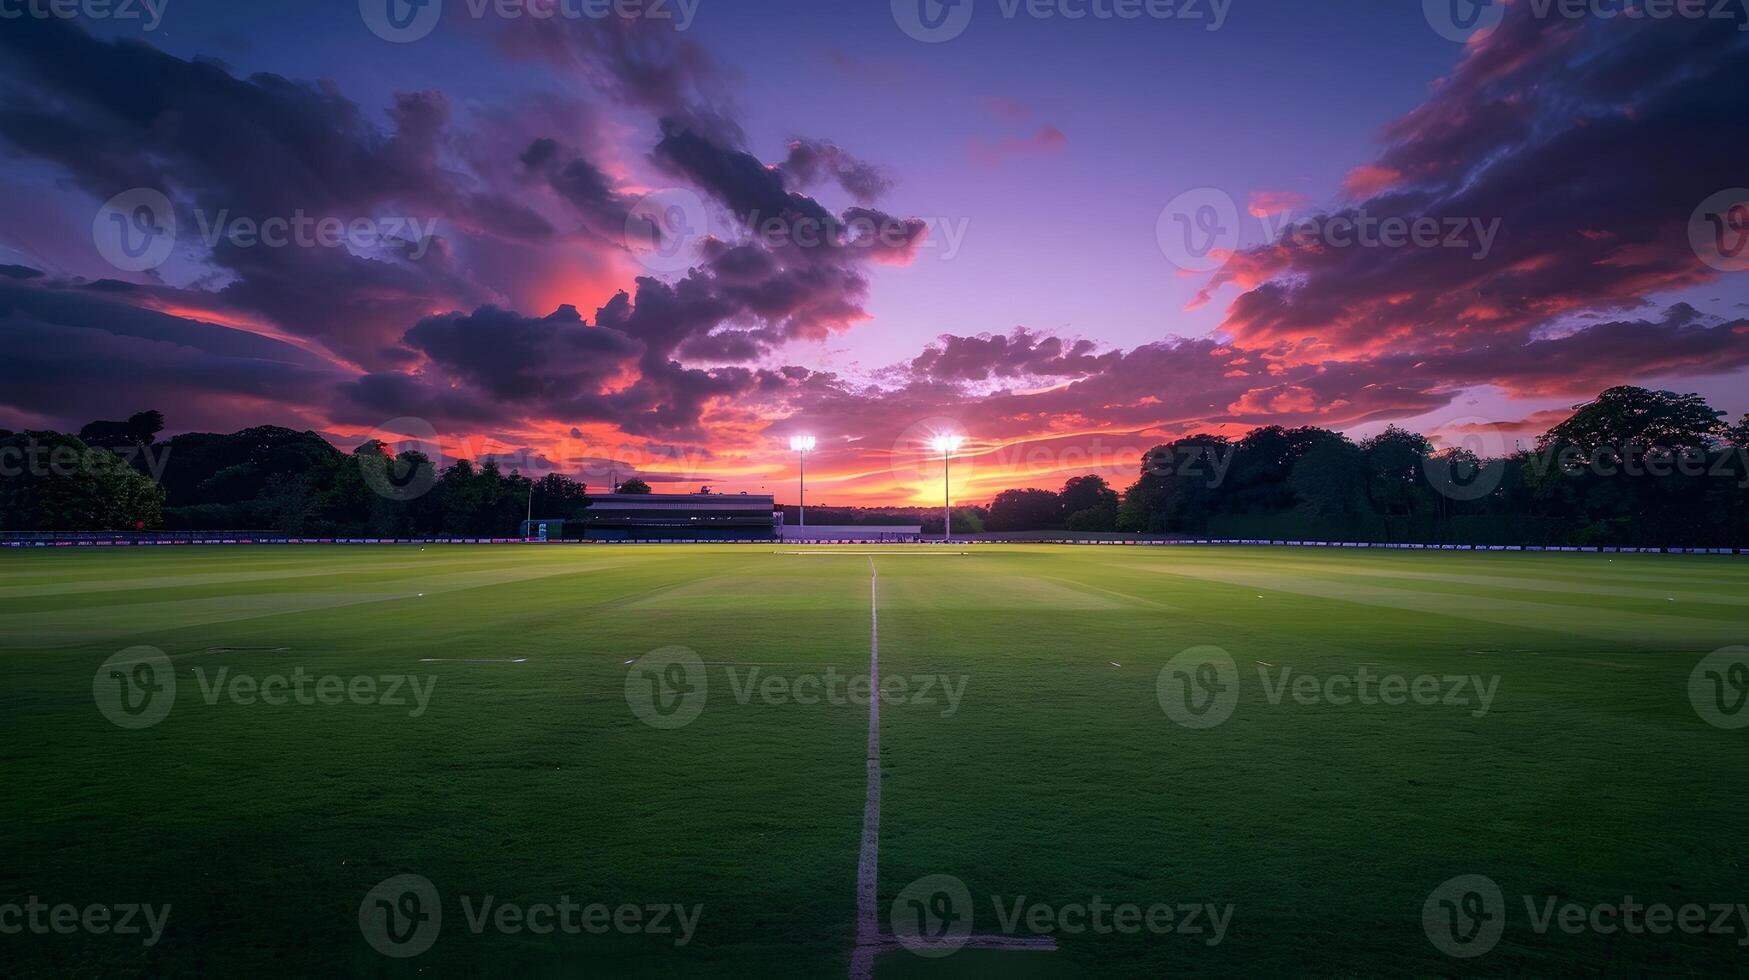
<point x="661" y="237"/>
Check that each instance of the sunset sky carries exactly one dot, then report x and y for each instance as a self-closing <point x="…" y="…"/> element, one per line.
<point x="549" y="257"/>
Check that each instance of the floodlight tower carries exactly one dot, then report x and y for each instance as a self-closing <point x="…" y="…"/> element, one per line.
<point x="803" y="445"/>
<point x="945" y="445"/>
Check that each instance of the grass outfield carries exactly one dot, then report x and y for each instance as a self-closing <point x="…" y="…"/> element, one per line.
<point x="1052" y="777"/>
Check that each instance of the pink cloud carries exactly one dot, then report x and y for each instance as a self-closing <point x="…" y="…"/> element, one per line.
<point x="1047" y="140"/>
<point x="1265" y="203"/>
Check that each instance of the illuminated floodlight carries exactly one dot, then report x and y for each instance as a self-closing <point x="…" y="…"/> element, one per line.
<point x="802" y="444"/>
<point x="946" y="443"/>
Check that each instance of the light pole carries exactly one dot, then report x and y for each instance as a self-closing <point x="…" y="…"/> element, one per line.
<point x="945" y="445"/>
<point x="803" y="445"/>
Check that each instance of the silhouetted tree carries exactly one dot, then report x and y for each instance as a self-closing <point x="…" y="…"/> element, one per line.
<point x="1396" y="461"/>
<point x="139" y="431"/>
<point x="50" y="481"/>
<point x="1025" y="510"/>
<point x="1625" y="419"/>
<point x="1088" y="503"/>
<point x="1330" y="482"/>
<point x="1739" y="434"/>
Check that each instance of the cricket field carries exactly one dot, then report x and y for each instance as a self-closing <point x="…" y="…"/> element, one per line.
<point x="661" y="761"/>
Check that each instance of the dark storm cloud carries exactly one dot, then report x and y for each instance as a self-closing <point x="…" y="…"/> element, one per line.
<point x="739" y="179"/>
<point x="517" y="359"/>
<point x="494" y="364"/>
<point x="812" y="161"/>
<point x="1589" y="142"/>
<point x="638" y="62"/>
<point x="792" y="270"/>
<point x="1587" y="360"/>
<point x="580" y="183"/>
<point x="1020" y="354"/>
<point x="795" y="300"/>
<point x="123" y="114"/>
<point x="761" y="200"/>
<point x="78" y="352"/>
<point x="120" y="115"/>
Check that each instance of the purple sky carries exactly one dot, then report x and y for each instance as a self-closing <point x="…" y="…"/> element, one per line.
<point x="1032" y="173"/>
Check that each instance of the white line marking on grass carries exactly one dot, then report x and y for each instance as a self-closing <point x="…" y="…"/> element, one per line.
<point x="763" y="663"/>
<point x="209" y="651"/>
<point x="869" y="940"/>
<point x="459" y="660"/>
<point x="868" y="928"/>
<point x="1266" y="664"/>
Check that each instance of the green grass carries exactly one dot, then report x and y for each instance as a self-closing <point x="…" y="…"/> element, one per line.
<point x="1058" y="778"/>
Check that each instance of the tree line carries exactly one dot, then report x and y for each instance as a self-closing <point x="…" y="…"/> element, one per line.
<point x="114" y="476"/>
<point x="1633" y="467"/>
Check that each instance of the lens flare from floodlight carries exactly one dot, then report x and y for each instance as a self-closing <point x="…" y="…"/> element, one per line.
<point x="802" y="444"/>
<point x="946" y="444"/>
